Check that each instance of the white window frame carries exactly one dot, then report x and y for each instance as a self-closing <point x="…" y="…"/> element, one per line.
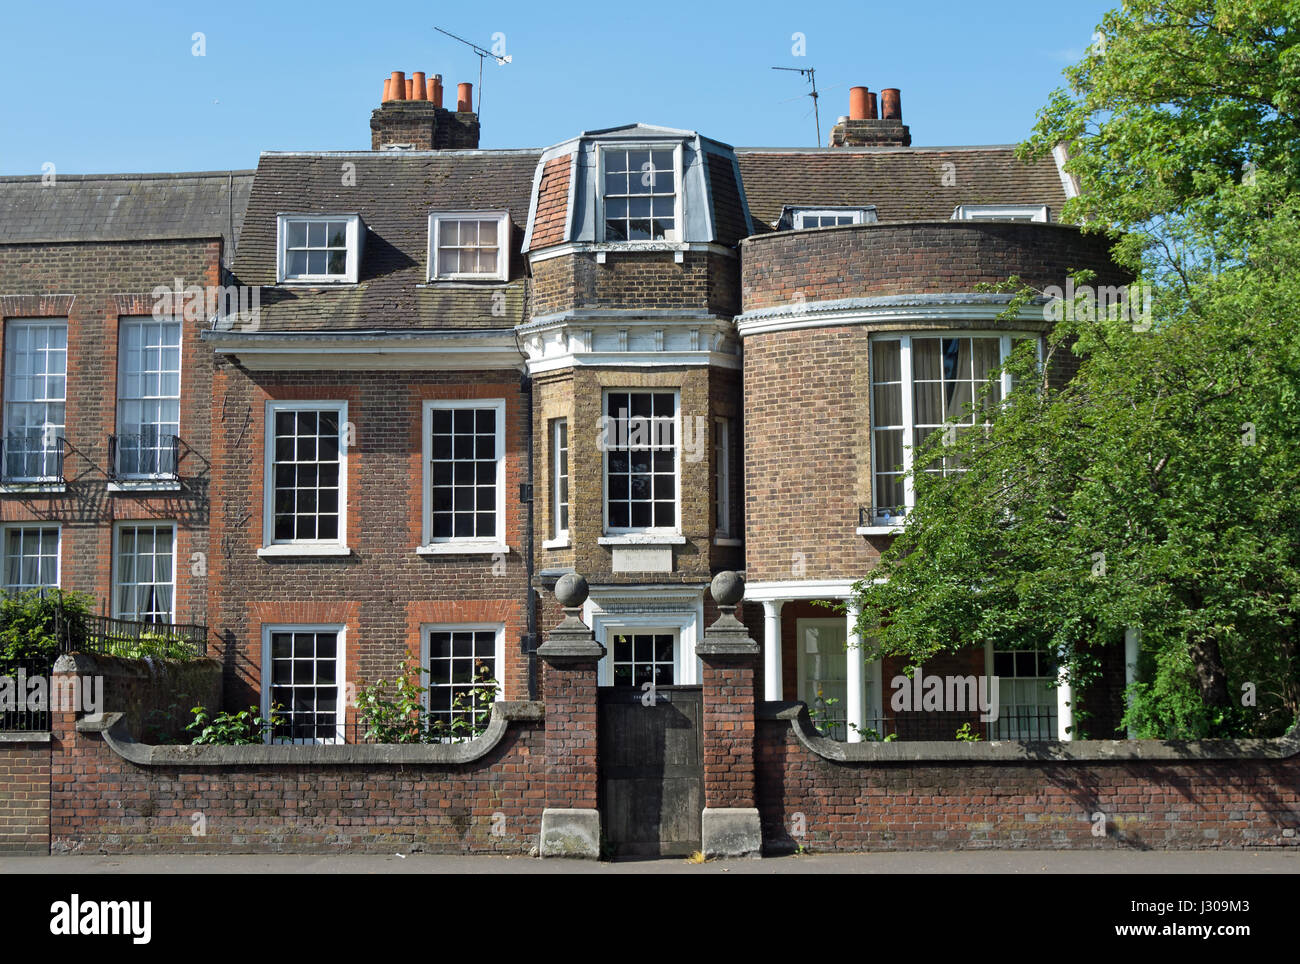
<point x="10" y="325"/>
<point x="121" y="378"/>
<point x="10" y="528"/>
<point x="115" y="550"/>
<point x="722" y="476"/>
<point x="1001" y="212"/>
<point x="652" y="531"/>
<point x="355" y="236"/>
<point x="678" y="187"/>
<point x="302" y="547"/>
<point x="859" y="215"/>
<point x="462" y="544"/>
<point x="880" y="524"/>
<point x="498" y="656"/>
<point x="340" y="675"/>
<point x="1058" y="693"/>
<point x="560" y="535"/>
<point x="503" y="244"/>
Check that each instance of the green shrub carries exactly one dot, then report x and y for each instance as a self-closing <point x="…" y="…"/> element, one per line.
<point x="245" y="728"/>
<point x="29" y="626"/>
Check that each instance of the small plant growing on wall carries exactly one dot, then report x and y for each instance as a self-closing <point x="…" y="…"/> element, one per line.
<point x="394" y="712"/>
<point x="244" y="728"/>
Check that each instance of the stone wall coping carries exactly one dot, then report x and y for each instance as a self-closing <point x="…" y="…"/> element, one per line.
<point x="1018" y="751"/>
<point x="25" y="736"/>
<point x="112" y="727"/>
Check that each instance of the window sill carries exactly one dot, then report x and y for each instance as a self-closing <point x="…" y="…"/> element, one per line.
<point x="642" y="539"/>
<point x="302" y="551"/>
<point x="462" y="549"/>
<point x="883" y="530"/>
<point x="727" y="541"/>
<point x="145" y="485"/>
<point x="560" y="543"/>
<point x="316" y="283"/>
<point x="32" y="488"/>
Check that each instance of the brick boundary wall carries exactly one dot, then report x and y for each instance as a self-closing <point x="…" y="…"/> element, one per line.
<point x="104" y="803"/>
<point x="24" y="793"/>
<point x="954" y="796"/>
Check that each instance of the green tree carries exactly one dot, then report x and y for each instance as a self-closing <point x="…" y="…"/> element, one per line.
<point x="1160" y="487"/>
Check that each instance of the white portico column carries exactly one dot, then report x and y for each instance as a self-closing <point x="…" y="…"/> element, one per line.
<point x="1064" y="709"/>
<point x="773" y="684"/>
<point x="855" y="714"/>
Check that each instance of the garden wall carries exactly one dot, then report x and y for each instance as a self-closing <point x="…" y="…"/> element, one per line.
<point x="24" y="793"/>
<point x="1095" y="794"/>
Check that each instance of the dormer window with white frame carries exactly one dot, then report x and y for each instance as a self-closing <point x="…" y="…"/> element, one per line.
<point x="639" y="193"/>
<point x="469" y="246"/>
<point x="1001" y="212"/>
<point x="801" y="218"/>
<point x="319" y="248"/>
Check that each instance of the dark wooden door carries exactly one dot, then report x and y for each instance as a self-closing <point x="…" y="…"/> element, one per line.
<point x="651" y="770"/>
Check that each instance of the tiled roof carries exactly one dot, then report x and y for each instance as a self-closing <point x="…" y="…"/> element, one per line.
<point x="123" y="207"/>
<point x="904" y="184"/>
<point x="728" y="209"/>
<point x="394" y="192"/>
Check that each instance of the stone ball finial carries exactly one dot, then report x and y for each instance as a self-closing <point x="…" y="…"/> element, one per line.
<point x="728" y="588"/>
<point x="571" y="590"/>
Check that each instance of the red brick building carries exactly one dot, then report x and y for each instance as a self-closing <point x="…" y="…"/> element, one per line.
<point x="438" y="378"/>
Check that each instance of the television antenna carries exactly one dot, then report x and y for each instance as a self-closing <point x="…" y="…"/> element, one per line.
<point x="501" y="62"/>
<point x="811" y="74"/>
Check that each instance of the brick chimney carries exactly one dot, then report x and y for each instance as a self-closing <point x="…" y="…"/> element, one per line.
<point x="862" y="128"/>
<point x="411" y="116"/>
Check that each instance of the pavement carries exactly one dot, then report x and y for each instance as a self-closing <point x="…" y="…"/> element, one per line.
<point x="956" y="862"/>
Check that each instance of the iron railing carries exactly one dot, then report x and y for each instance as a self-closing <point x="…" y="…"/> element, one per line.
<point x="31" y="458"/>
<point x="135" y="639"/>
<point x="147" y="456"/>
<point x="15" y="716"/>
<point x="870" y="515"/>
<point x="1039" y="725"/>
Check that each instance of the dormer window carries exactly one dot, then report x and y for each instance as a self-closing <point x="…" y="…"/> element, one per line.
<point x="831" y="217"/>
<point x="639" y="194"/>
<point x="1000" y="212"/>
<point x="469" y="246"/>
<point x="319" y="249"/>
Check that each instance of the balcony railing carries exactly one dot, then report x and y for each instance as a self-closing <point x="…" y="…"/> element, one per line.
<point x="871" y="515"/>
<point x="147" y="456"/>
<point x="134" y="639"/>
<point x="31" y="458"/>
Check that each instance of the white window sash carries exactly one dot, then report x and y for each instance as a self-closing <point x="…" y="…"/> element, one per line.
<point x="497" y="542"/>
<point x="676" y="528"/>
<point x="1005" y="342"/>
<point x="353" y="260"/>
<point x="560" y="468"/>
<point x="498" y="656"/>
<point x="722" y="454"/>
<point x="268" y="477"/>
<point x="34" y="364"/>
<point x="15" y="564"/>
<point x="678" y="188"/>
<point x="340" y="675"/>
<point x="436" y="221"/>
<point x="121" y="565"/>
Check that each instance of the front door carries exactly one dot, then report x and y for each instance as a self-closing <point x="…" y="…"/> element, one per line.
<point x="649" y="749"/>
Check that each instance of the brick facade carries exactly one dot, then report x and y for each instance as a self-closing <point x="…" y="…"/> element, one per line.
<point x="95" y="286"/>
<point x="24" y="794"/>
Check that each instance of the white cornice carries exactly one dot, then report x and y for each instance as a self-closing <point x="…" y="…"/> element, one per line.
<point x="894" y="309"/>
<point x="420" y="351"/>
<point x="627" y="247"/>
<point x="652" y="339"/>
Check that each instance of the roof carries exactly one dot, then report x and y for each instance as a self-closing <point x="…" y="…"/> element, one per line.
<point x="903" y="183"/>
<point x="123" y="207"/>
<point x="394" y="192"/>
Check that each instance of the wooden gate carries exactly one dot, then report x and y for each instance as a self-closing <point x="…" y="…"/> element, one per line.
<point x="651" y="770"/>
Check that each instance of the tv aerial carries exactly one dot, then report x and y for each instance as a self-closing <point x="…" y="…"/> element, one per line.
<point x="501" y="60"/>
<point x="811" y="74"/>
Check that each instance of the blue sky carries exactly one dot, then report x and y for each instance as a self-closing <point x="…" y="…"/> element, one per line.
<point x="115" y="87"/>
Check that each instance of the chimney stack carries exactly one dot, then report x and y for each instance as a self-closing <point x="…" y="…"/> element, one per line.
<point x="411" y="116"/>
<point x="863" y="128"/>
